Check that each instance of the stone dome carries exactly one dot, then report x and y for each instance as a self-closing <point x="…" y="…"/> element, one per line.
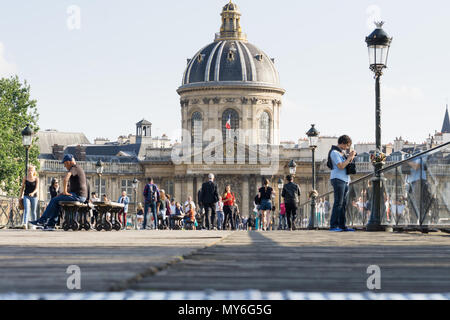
<point x="231" y="7"/>
<point x="230" y="60"/>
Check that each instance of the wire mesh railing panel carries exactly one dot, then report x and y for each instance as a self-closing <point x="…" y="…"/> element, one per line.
<point x="11" y="216"/>
<point x="414" y="192"/>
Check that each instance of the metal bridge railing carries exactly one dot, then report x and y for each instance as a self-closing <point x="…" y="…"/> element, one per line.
<point x="415" y="193"/>
<point x="10" y="214"/>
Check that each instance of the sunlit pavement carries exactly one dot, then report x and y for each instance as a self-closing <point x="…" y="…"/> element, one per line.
<point x="271" y="264"/>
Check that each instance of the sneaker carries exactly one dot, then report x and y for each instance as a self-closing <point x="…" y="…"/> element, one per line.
<point x="37" y="223"/>
<point x="348" y="230"/>
<point x="48" y="228"/>
<point x="336" y="230"/>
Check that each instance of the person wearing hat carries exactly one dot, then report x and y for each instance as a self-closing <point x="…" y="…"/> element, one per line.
<point x="74" y="189"/>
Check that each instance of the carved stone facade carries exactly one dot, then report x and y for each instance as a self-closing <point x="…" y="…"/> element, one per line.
<point x="230" y="79"/>
<point x="235" y="99"/>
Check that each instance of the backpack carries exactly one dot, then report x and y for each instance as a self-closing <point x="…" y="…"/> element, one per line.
<point x="351" y="167"/>
<point x="151" y="193"/>
<point x="282" y="209"/>
<point x="330" y="162"/>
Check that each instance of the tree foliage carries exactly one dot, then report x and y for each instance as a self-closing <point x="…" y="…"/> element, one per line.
<point x="17" y="110"/>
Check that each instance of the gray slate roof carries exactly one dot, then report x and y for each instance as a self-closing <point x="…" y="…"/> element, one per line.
<point x="49" y="138"/>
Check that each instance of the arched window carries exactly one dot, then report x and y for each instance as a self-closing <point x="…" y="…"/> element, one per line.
<point x="232" y="117"/>
<point x="264" y="128"/>
<point x="197" y="128"/>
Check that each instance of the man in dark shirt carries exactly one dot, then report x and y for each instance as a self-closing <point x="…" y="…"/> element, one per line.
<point x="209" y="197"/>
<point x="290" y="193"/>
<point x="74" y="189"/>
<point x="151" y="196"/>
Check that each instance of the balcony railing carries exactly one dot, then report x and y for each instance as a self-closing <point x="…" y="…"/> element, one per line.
<point x="89" y="167"/>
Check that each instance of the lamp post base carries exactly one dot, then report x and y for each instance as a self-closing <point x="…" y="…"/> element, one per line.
<point x="375" y="228"/>
<point x="312" y="218"/>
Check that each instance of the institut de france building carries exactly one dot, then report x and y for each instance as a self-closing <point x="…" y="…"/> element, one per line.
<point x="230" y="102"/>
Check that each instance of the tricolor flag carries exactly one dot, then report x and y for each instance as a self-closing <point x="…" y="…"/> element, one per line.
<point x="228" y="124"/>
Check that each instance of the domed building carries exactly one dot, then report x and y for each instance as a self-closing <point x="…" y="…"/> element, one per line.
<point x="232" y="80"/>
<point x="230" y="88"/>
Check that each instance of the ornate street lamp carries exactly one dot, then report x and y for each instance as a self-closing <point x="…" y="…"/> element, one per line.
<point x="280" y="188"/>
<point x="313" y="136"/>
<point x="292" y="167"/>
<point x="99" y="167"/>
<point x="135" y="184"/>
<point x="27" y="141"/>
<point x="378" y="43"/>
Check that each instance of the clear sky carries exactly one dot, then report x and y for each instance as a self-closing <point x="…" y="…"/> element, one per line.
<point x="128" y="57"/>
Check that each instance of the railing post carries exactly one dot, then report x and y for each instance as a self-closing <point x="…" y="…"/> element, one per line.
<point x="421" y="213"/>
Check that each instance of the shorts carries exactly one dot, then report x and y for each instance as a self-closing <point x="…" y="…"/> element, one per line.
<point x="265" y="205"/>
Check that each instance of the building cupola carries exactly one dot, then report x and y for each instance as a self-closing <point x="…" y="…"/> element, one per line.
<point x="231" y="24"/>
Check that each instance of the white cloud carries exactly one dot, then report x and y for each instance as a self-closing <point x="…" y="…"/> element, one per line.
<point x="404" y="92"/>
<point x="289" y="104"/>
<point x="6" y="68"/>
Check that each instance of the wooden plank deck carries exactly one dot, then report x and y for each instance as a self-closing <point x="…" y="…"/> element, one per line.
<point x="301" y="261"/>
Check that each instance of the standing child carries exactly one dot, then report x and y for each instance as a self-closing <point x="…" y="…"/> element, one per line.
<point x="190" y="215"/>
<point x="139" y="216"/>
<point x="282" y="223"/>
<point x="219" y="211"/>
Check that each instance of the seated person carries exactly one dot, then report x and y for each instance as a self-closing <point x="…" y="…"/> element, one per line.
<point x="74" y="189"/>
<point x="139" y="216"/>
<point x="190" y="214"/>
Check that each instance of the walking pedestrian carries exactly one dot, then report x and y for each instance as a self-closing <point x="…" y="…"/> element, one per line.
<point x="151" y="195"/>
<point x="291" y="193"/>
<point x="236" y="216"/>
<point x="337" y="162"/>
<point x="209" y="198"/>
<point x="265" y="193"/>
<point x="173" y="208"/>
<point x="123" y="213"/>
<point x="28" y="194"/>
<point x="163" y="209"/>
<point x="228" y="207"/>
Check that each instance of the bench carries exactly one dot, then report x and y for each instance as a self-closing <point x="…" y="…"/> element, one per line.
<point x="75" y="215"/>
<point x="177" y="222"/>
<point x="104" y="222"/>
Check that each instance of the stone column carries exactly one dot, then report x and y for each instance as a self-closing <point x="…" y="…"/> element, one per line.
<point x="177" y="189"/>
<point x="113" y="188"/>
<point x="189" y="187"/>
